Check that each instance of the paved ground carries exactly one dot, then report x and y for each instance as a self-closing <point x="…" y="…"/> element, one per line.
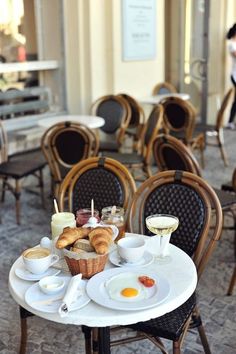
<point x="218" y="311"/>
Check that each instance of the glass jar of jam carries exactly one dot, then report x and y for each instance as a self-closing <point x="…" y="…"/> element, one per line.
<point x="83" y="215"/>
<point x="114" y="215"/>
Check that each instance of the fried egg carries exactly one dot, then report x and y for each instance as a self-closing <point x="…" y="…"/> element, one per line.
<point x="126" y="287"/>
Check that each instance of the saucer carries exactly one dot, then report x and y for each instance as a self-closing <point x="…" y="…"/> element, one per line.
<point x="24" y="274"/>
<point x="115" y="259"/>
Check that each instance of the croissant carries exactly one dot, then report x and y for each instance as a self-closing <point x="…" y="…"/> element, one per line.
<point x="70" y="235"/>
<point x="100" y="238"/>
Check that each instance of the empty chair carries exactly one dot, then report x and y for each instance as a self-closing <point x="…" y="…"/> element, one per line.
<point x="64" y="145"/>
<point x="214" y="130"/>
<point x="142" y="161"/>
<point x="163" y="88"/>
<point x="17" y="169"/>
<point x="137" y="120"/>
<point x="117" y="114"/>
<point x="105" y="180"/>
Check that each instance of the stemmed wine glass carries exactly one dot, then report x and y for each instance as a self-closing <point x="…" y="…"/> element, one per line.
<point x="162" y="225"/>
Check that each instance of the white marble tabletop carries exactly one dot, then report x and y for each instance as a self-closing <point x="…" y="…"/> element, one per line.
<point x="92" y="122"/>
<point x="157" y="98"/>
<point x="180" y="273"/>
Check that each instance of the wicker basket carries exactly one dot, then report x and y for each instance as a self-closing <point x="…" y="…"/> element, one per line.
<point x="86" y="265"/>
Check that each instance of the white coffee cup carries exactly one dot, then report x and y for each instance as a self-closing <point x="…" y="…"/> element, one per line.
<point x="131" y="249"/>
<point x="38" y="260"/>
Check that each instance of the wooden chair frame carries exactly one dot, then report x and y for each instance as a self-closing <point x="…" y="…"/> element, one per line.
<point x="67" y="186"/>
<point x="167" y="85"/>
<point x="120" y="134"/>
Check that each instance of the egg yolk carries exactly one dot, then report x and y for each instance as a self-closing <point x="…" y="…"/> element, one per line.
<point x="129" y="292"/>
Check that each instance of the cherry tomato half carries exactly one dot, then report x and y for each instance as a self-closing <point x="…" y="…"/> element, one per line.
<point x="146" y="281"/>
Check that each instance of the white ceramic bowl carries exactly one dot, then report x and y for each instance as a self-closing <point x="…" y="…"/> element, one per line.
<point x="131" y="248"/>
<point x="51" y="284"/>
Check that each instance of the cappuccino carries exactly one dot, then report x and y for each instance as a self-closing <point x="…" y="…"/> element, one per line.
<point x="38" y="260"/>
<point x="36" y="253"/>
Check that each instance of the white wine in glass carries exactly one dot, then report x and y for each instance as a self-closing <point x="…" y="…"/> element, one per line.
<point x="162" y="225"/>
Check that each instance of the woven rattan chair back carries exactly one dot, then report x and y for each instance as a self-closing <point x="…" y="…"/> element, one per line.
<point x="179" y="117"/>
<point x="224" y="105"/>
<point x="137" y="112"/>
<point x="65" y="144"/>
<point x="163" y="88"/>
<point x="188" y="197"/>
<point x="105" y="180"/>
<point x="116" y="113"/>
<point x="171" y="154"/>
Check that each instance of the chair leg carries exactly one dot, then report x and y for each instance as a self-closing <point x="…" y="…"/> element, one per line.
<point x="4" y="185"/>
<point x="220" y="139"/>
<point x="23" y="322"/>
<point x="176" y="348"/>
<point x="87" y="335"/>
<point x="232" y="283"/>
<point x="197" y="322"/>
<point x="95" y="340"/>
<point x="104" y="340"/>
<point x="41" y="186"/>
<point x="17" y="193"/>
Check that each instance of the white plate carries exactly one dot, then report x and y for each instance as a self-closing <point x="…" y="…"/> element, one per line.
<point x="115" y="259"/>
<point x="36" y="299"/>
<point x="156" y="294"/>
<point x="24" y="274"/>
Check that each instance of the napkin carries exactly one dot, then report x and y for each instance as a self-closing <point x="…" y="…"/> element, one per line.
<point x="71" y="295"/>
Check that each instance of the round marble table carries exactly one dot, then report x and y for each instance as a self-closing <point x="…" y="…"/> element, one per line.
<point x="180" y="273"/>
<point x="92" y="122"/>
<point x="157" y="98"/>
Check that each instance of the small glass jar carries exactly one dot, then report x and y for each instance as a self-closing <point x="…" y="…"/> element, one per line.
<point x="83" y="215"/>
<point x="115" y="216"/>
<point x="61" y="220"/>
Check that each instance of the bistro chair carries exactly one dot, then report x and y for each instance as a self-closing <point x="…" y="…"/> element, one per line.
<point x="137" y="121"/>
<point x="163" y="88"/>
<point x="142" y="161"/>
<point x="117" y="114"/>
<point x="191" y="199"/>
<point x="171" y="154"/>
<point x="103" y="179"/>
<point x="17" y="168"/>
<point x="213" y="130"/>
<point x="64" y="145"/>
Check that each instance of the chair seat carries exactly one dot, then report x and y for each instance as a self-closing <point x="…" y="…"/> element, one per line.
<point x="170" y="325"/>
<point x="20" y="168"/>
<point x="228" y="187"/>
<point x="126" y="159"/>
<point x="226" y="199"/>
<point x="108" y="145"/>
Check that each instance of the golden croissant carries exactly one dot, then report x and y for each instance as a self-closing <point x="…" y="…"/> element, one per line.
<point x="100" y="238"/>
<point x="70" y="235"/>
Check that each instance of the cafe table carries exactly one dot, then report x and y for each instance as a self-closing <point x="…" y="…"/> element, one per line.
<point x="155" y="99"/>
<point x="92" y="122"/>
<point x="180" y="274"/>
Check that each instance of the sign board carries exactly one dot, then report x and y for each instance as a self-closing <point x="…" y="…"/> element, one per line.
<point x="139" y="29"/>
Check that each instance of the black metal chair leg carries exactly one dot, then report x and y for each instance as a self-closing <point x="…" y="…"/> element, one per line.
<point x="23" y="323"/>
<point x="87" y="336"/>
<point x="104" y="340"/>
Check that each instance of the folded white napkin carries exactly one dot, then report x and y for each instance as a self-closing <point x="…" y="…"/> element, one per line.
<point x="71" y="295"/>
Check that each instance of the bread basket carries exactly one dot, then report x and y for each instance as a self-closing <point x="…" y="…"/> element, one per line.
<point x="87" y="264"/>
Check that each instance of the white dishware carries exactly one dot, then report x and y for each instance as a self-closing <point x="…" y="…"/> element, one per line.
<point x="155" y="294"/>
<point x="115" y="259"/>
<point x="38" y="259"/>
<point x="39" y="301"/>
<point x="162" y="226"/>
<point x="24" y="274"/>
<point x="60" y="221"/>
<point x="131" y="249"/>
<point x="51" y="284"/>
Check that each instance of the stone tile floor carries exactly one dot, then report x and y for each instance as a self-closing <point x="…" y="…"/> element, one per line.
<point x="218" y="310"/>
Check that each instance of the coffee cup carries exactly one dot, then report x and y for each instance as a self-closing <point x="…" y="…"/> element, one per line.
<point x="131" y="249"/>
<point x="38" y="260"/>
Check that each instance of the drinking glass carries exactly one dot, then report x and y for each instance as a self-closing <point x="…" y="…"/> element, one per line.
<point x="162" y="225"/>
